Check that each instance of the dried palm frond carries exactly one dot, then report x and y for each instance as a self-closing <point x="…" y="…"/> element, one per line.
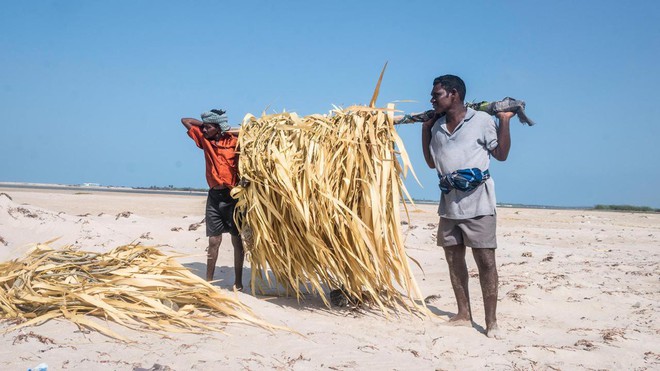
<point x="135" y="286"/>
<point x="322" y="207"/>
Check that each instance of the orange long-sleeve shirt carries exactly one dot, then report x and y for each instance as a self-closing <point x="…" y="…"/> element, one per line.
<point x="220" y="157"/>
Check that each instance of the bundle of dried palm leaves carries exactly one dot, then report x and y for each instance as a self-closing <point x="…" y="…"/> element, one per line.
<point x="133" y="285"/>
<point x="323" y="203"/>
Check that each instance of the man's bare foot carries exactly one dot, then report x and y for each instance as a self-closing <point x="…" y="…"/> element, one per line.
<point x="494" y="332"/>
<point x="460" y="321"/>
<point x="238" y="287"/>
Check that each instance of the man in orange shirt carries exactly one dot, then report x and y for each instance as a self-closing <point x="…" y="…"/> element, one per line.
<point x="215" y="137"/>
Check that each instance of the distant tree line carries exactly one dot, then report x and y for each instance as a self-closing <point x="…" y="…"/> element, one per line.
<point x="627" y="208"/>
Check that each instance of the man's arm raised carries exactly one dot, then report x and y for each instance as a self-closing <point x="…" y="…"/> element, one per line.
<point x="501" y="152"/>
<point x="190" y="122"/>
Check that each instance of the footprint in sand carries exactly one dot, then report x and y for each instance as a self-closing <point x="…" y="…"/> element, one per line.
<point x="432" y="299"/>
<point x="612" y="334"/>
<point x="124" y="214"/>
<point x="194" y="226"/>
<point x="515" y="296"/>
<point x="22" y="211"/>
<point x="585" y="344"/>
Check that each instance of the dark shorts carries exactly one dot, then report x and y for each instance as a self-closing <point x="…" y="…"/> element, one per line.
<point x="478" y="233"/>
<point x="220" y="213"/>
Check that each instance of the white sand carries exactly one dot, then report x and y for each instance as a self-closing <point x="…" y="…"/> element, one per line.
<point x="578" y="290"/>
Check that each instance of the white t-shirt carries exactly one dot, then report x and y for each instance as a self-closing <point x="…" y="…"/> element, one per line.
<point x="467" y="147"/>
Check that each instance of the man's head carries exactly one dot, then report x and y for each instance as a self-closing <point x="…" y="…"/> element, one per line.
<point x="215" y="122"/>
<point x="211" y="131"/>
<point x="448" y="91"/>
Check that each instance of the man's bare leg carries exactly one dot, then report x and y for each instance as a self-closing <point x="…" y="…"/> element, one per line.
<point x="485" y="259"/>
<point x="458" y="275"/>
<point x="212" y="256"/>
<point x="239" y="257"/>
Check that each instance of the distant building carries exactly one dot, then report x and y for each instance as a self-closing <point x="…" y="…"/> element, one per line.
<point x="90" y="185"/>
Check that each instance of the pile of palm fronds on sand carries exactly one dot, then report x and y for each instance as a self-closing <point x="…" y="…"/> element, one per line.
<point x="133" y="285"/>
<point x="322" y="206"/>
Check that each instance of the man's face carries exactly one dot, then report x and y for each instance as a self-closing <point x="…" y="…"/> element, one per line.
<point x="440" y="99"/>
<point x="210" y="131"/>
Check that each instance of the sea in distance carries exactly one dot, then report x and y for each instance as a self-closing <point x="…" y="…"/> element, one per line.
<point x="197" y="192"/>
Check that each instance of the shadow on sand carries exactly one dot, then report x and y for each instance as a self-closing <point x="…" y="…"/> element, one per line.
<point x="441" y="313"/>
<point x="224" y="278"/>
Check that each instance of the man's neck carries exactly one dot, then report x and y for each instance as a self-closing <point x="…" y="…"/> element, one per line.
<point x="455" y="115"/>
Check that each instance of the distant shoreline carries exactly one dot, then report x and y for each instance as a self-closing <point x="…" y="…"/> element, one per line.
<point x="98" y="188"/>
<point x="180" y="192"/>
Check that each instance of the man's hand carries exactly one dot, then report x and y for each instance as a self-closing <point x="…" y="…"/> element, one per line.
<point x="505" y="115"/>
<point x="428" y="124"/>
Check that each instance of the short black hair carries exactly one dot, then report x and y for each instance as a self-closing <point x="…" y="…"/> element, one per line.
<point x="451" y="82"/>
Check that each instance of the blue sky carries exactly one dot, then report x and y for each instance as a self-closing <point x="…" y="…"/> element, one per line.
<point x="92" y="91"/>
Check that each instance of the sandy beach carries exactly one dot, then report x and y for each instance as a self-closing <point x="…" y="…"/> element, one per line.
<point x="578" y="290"/>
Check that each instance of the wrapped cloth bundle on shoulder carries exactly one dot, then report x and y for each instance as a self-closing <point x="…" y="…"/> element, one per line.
<point x="505" y="105"/>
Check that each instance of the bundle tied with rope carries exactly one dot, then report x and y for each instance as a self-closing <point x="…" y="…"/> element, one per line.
<point x="323" y="203"/>
<point x="322" y="208"/>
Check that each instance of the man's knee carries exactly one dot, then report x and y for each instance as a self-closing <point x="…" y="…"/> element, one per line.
<point x="454" y="252"/>
<point x="485" y="258"/>
<point x="214" y="241"/>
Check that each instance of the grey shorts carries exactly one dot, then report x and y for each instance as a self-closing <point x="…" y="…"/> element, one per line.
<point x="220" y="213"/>
<point x="479" y="232"/>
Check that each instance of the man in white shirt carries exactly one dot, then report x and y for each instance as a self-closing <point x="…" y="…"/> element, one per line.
<point x="458" y="142"/>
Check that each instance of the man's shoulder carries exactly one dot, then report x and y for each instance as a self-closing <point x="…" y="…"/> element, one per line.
<point x="227" y="140"/>
<point x="482" y="116"/>
<point x="483" y="120"/>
